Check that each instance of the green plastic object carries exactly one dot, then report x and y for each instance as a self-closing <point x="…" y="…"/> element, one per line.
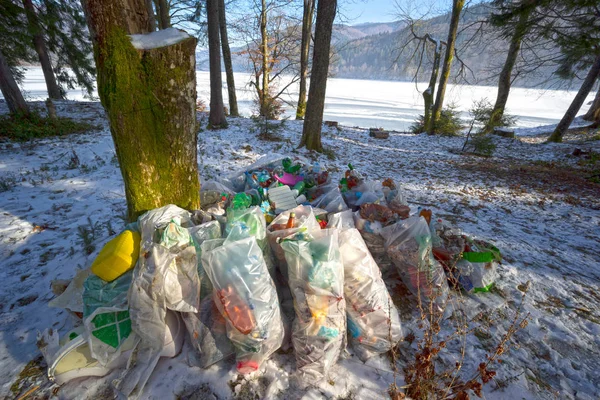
<point x="289" y="168"/>
<point x="484" y="289"/>
<point x="112" y="328"/>
<point x="241" y="201"/>
<point x="300" y="187"/>
<point x="478" y="257"/>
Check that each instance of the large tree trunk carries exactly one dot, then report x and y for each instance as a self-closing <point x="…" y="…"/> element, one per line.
<point x="428" y="93"/>
<point x="149" y="94"/>
<point x="216" y="118"/>
<point x="163" y="11"/>
<point x="264" y="50"/>
<point x="577" y="102"/>
<point x="313" y="121"/>
<point x="39" y="44"/>
<point x="457" y="6"/>
<point x="151" y="16"/>
<point x="233" y="107"/>
<point x="309" y="7"/>
<point x="593" y="113"/>
<point x="10" y="89"/>
<point x="505" y="78"/>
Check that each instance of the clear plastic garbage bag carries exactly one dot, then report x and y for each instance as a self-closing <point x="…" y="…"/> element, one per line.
<point x="166" y="276"/>
<point x="305" y="222"/>
<point x="201" y="233"/>
<point x="208" y="334"/>
<point x="147" y="309"/>
<point x="316" y="280"/>
<point x="371" y="233"/>
<point x="152" y="222"/>
<point x="373" y="321"/>
<point x="327" y="197"/>
<point x="254" y="219"/>
<point x="408" y="244"/>
<point x="342" y="220"/>
<point x="182" y="282"/>
<point x="106" y="318"/>
<point x="245" y="295"/>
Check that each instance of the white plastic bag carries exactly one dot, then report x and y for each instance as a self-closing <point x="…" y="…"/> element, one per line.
<point x="408" y="244"/>
<point x="373" y="320"/>
<point x="246" y="296"/>
<point x="208" y="334"/>
<point x="254" y="219"/>
<point x="327" y="197"/>
<point x="305" y="222"/>
<point x="316" y="280"/>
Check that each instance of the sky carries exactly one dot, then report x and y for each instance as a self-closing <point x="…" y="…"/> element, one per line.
<point x="360" y="11"/>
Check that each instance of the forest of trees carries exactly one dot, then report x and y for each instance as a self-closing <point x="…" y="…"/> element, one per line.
<point x="503" y="43"/>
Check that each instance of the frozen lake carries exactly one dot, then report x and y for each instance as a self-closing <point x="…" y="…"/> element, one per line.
<point x="366" y="103"/>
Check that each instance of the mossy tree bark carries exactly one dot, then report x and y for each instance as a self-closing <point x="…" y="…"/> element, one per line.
<point x="39" y="45"/>
<point x="216" y="118"/>
<point x="10" y="90"/>
<point x="233" y="107"/>
<point x="313" y="121"/>
<point x="150" y="98"/>
<point x="577" y="102"/>
<point x="457" y="6"/>
<point x="309" y="7"/>
<point x="505" y="78"/>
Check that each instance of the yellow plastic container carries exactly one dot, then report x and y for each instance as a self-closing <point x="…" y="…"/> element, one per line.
<point x="118" y="256"/>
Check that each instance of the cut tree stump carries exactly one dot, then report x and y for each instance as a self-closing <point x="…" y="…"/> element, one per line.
<point x="379" y="133"/>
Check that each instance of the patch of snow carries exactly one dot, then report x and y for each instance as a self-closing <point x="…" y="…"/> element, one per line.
<point x="162" y="38"/>
<point x="546" y="238"/>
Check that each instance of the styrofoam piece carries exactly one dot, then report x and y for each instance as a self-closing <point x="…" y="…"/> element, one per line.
<point x="282" y="199"/>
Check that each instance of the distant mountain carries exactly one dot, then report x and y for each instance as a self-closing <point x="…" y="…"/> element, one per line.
<point x="371" y="51"/>
<point x="377" y="55"/>
<point x="345" y="33"/>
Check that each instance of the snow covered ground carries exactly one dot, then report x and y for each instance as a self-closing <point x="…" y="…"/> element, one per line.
<point x="367" y="103"/>
<point x="530" y="199"/>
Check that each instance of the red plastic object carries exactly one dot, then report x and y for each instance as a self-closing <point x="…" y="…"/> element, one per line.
<point x="237" y="311"/>
<point x="245" y="367"/>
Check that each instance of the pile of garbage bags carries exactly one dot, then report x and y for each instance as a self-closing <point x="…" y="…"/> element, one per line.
<point x="216" y="276"/>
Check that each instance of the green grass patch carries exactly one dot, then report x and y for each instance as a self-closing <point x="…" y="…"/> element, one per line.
<point x="33" y="126"/>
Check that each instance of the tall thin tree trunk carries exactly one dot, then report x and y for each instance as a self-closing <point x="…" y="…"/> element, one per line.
<point x="157" y="14"/>
<point x="264" y="50"/>
<point x="149" y="95"/>
<point x="151" y="15"/>
<point x="457" y="6"/>
<point x="505" y="78"/>
<point x="39" y="44"/>
<point x="216" y="118"/>
<point x="233" y="107"/>
<point x="584" y="90"/>
<point x="593" y="113"/>
<point x="10" y="89"/>
<point x="165" y="17"/>
<point x="428" y="93"/>
<point x="313" y="121"/>
<point x="309" y="7"/>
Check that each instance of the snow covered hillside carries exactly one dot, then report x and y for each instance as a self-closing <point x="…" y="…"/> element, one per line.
<point x="530" y="199"/>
